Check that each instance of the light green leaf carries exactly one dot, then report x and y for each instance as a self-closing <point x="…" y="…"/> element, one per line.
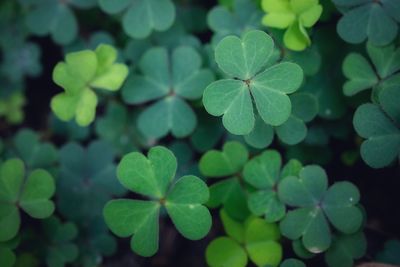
<point x="224" y="251"/>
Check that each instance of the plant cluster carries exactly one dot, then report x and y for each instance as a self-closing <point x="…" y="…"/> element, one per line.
<point x="217" y="121"/>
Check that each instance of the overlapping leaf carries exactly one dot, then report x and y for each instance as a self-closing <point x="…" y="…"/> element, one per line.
<point x="79" y="75"/>
<point x="293" y="16"/>
<point x="316" y="206"/>
<point x="152" y="176"/>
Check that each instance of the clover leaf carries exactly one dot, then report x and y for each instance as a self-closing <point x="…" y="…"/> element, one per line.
<point x="152" y="176"/>
<point x="86" y="180"/>
<point x="35" y="154"/>
<point x="18" y="190"/>
<point x="295" y="17"/>
<point x="229" y="192"/>
<point x="244" y="60"/>
<point x="7" y="255"/>
<point x="11" y="108"/>
<point x="60" y="250"/>
<point x="242" y="16"/>
<point x="376" y="21"/>
<point x="316" y="205"/>
<point x="254" y="239"/>
<point x="141" y="17"/>
<point x="345" y="249"/>
<point x="363" y="76"/>
<point x="379" y="125"/>
<point x="170" y="80"/>
<point x="78" y="75"/>
<point x="52" y="17"/>
<point x="264" y="172"/>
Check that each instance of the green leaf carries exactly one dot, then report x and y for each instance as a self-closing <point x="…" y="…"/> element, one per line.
<point x="7" y="257"/>
<point x="370" y="20"/>
<point x="224" y="251"/>
<point x="261" y="136"/>
<point x="149" y="176"/>
<point x="316" y="205"/>
<point x="135" y="217"/>
<point x="345" y="249"/>
<point x="227" y="162"/>
<point x="232" y="228"/>
<point x="183" y="204"/>
<point x="389" y="253"/>
<point x="141" y="17"/>
<point x="294" y="16"/>
<point x="98" y="70"/>
<point x="170" y="79"/>
<point x="386" y="59"/>
<point x="383" y="137"/>
<point x="261" y="242"/>
<point x="360" y="74"/>
<point x="268" y="88"/>
<point x="152" y="176"/>
<point x="31" y="194"/>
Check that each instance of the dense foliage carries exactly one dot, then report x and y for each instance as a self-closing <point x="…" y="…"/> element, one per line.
<point x="191" y="133"/>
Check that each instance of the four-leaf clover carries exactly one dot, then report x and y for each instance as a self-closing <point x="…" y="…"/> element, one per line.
<point x="31" y="193"/>
<point x="245" y="61"/>
<point x="78" y="75"/>
<point x="152" y="176"/>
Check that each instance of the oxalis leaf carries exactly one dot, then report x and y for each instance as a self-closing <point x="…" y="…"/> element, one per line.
<point x="379" y="125"/>
<point x="229" y="192"/>
<point x="31" y="193"/>
<point x="171" y="80"/>
<point x="79" y="75"/>
<point x="264" y="173"/>
<point x="376" y="21"/>
<point x="244" y="60"/>
<point x="294" y="16"/>
<point x="141" y="17"/>
<point x="362" y="76"/>
<point x="254" y="239"/>
<point x="316" y="206"/>
<point x="152" y="177"/>
<point x="345" y="249"/>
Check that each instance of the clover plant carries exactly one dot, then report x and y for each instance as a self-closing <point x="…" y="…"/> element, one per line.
<point x="79" y="75"/>
<point x="131" y="128"/>
<point x="245" y="60"/>
<point x="295" y="17"/>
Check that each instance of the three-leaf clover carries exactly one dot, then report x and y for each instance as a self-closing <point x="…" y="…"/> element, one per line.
<point x="362" y="19"/>
<point x="244" y="60"/>
<point x="255" y="239"/>
<point x="78" y="75"/>
<point x="380" y="126"/>
<point x="141" y="17"/>
<point x="316" y="205"/>
<point x="55" y="18"/>
<point x="152" y="176"/>
<point x="18" y="190"/>
<point x="243" y="16"/>
<point x="362" y="75"/>
<point x="229" y="192"/>
<point x="60" y="250"/>
<point x="264" y="173"/>
<point x="86" y="180"/>
<point x="294" y="16"/>
<point x="169" y="80"/>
